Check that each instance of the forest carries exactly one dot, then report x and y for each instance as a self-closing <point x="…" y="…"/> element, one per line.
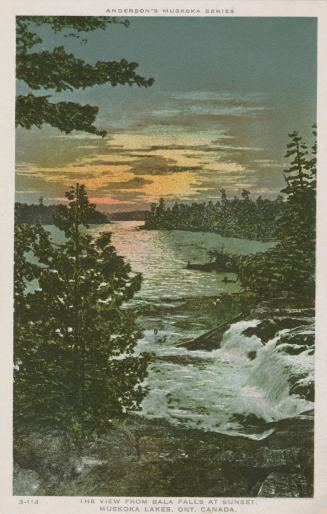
<point x="69" y="324"/>
<point x="288" y="270"/>
<point x="229" y="217"/>
<point x="47" y="214"/>
<point x="71" y="330"/>
<point x="132" y="367"/>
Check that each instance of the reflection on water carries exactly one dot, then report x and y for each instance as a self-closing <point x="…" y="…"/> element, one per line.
<point x="220" y="390"/>
<point x="210" y="390"/>
<point x="161" y="256"/>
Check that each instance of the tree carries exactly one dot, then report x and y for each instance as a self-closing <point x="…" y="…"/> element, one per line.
<point x="74" y="341"/>
<point x="236" y="217"/>
<point x="289" y="268"/>
<point x="299" y="219"/>
<point x="296" y="176"/>
<point x="59" y="71"/>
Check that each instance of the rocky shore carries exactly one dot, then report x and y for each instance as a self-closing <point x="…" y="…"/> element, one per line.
<point x="153" y="458"/>
<point x="294" y="326"/>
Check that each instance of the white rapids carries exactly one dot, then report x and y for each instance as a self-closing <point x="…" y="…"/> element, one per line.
<point x="223" y="390"/>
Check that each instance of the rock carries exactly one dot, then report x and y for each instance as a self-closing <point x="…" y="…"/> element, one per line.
<point x="208" y="341"/>
<point x="225" y="466"/>
<point x="286" y="485"/>
<point x="270" y="458"/>
<point x="250" y="422"/>
<point x="52" y="456"/>
<point x="305" y="388"/>
<point x="291" y="433"/>
<point x="301" y="336"/>
<point x="211" y="340"/>
<point x="268" y="328"/>
<point x="291" y="349"/>
<point x="284" y="308"/>
<point x="273" y="320"/>
<point x="265" y="330"/>
<point x="26" y="482"/>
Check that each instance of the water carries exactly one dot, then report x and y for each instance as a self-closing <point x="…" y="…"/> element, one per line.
<point x="221" y="390"/>
<point x="162" y="255"/>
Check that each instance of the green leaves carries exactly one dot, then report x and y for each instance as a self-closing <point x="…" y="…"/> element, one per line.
<point x="77" y="23"/>
<point x="234" y="217"/>
<point x="301" y="171"/>
<point x="68" y="340"/>
<point x="66" y="116"/>
<point x="289" y="269"/>
<point x="59" y="71"/>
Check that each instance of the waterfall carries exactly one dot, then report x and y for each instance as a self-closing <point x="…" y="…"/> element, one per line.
<point x="236" y="389"/>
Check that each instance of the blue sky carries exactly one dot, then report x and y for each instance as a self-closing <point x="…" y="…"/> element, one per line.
<point x="227" y="92"/>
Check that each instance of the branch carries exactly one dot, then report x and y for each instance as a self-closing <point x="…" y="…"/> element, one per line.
<point x="78" y="23"/>
<point x="61" y="71"/>
<point x="66" y="116"/>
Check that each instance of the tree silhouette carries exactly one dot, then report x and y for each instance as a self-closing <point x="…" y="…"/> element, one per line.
<point x="59" y="71"/>
<point x="74" y="341"/>
<point x="296" y="176"/>
<point x="237" y="217"/>
<point x="289" y="268"/>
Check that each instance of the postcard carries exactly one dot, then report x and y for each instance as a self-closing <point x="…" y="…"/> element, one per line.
<point x="162" y="266"/>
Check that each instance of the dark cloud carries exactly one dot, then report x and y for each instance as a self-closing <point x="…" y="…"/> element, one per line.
<point x="155" y="148"/>
<point x="31" y="183"/>
<point x="134" y="183"/>
<point x="124" y="196"/>
<point x="196" y="120"/>
<point x="159" y="165"/>
<point x="245" y="133"/>
<point x="100" y="162"/>
<point x="44" y="150"/>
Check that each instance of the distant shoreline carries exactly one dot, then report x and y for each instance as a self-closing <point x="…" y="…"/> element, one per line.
<point x="45" y="214"/>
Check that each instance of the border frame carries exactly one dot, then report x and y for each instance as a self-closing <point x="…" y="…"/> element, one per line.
<point x="10" y="504"/>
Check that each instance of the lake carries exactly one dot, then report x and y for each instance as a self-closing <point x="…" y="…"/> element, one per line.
<point x="222" y="390"/>
<point x="212" y="390"/>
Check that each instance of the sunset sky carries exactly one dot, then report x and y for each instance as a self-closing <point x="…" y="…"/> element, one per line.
<point x="227" y="92"/>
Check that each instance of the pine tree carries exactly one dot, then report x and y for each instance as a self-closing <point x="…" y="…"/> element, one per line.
<point x="58" y="70"/>
<point x="296" y="176"/>
<point x="289" y="268"/>
<point x="76" y="367"/>
<point x="299" y="219"/>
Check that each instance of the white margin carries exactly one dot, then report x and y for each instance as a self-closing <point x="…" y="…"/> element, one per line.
<point x="242" y="8"/>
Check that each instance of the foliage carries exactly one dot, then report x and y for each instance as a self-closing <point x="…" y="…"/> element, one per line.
<point x="59" y="71"/>
<point x="27" y="238"/>
<point x="289" y="268"/>
<point x="46" y="214"/>
<point x="223" y="260"/>
<point x="74" y="340"/>
<point x="236" y="217"/>
<point x="284" y="271"/>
